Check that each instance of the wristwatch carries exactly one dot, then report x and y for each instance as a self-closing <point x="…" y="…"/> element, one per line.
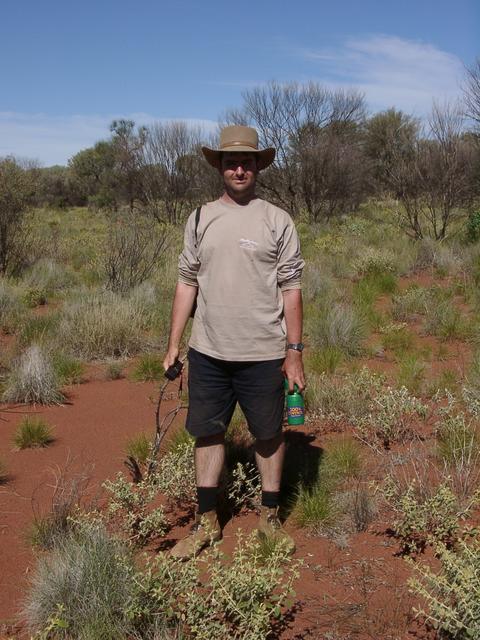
<point x="298" y="346"/>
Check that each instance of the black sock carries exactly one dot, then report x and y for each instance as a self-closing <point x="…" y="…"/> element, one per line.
<point x="207" y="499"/>
<point x="270" y="499"/>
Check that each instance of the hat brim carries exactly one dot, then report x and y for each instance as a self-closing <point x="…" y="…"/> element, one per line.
<point x="265" y="156"/>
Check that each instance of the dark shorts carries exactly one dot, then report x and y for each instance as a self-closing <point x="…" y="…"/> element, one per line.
<point x="215" y="386"/>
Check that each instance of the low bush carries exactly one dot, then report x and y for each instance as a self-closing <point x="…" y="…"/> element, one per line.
<point x="32" y="432"/>
<point x="48" y="277"/>
<point x="130" y="506"/>
<point x="175" y="473"/>
<point x="422" y="520"/>
<point x="451" y="593"/>
<point x="391" y="418"/>
<point x="149" y="367"/>
<point x="33" y="379"/>
<point x="373" y="261"/>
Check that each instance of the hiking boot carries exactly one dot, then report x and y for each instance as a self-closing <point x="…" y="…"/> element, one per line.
<point x="270" y="528"/>
<point x="204" y="532"/>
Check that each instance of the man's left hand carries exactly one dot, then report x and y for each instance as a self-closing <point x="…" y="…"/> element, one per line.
<point x="293" y="369"/>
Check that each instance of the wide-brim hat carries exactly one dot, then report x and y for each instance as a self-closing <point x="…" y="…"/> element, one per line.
<point x="237" y="138"/>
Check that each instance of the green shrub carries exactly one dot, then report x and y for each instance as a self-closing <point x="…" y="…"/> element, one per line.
<point x="422" y="520"/>
<point x="33" y="380"/>
<point x="391" y="418"/>
<point x="221" y="597"/>
<point x="32" y="432"/>
<point x="149" y="367"/>
<point x="473" y="227"/>
<point x="139" y="447"/>
<point x="103" y="325"/>
<point x="375" y="261"/>
<point x="130" y="505"/>
<point x="69" y="370"/>
<point x="175" y="473"/>
<point x="83" y="588"/>
<point x="451" y="594"/>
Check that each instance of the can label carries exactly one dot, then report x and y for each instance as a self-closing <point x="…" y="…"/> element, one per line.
<point x="295" y="412"/>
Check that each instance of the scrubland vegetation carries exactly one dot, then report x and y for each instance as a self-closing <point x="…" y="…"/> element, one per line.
<point x="388" y="216"/>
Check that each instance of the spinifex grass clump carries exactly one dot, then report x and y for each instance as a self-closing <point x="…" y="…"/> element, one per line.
<point x="139" y="447"/>
<point x="69" y="370"/>
<point x="337" y="326"/>
<point x="148" y="368"/>
<point x="33" y="380"/>
<point x="103" y="325"/>
<point x="37" y="329"/>
<point x="32" y="432"/>
<point x="83" y="588"/>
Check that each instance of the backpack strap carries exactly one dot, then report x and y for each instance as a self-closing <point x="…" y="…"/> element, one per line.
<point x="197" y="220"/>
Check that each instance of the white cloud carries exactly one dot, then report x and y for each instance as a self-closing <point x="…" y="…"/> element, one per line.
<point x="392" y="71"/>
<point x="55" y="139"/>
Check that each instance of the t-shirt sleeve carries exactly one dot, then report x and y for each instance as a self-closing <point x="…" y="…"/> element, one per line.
<point x="188" y="263"/>
<point x="290" y="263"/>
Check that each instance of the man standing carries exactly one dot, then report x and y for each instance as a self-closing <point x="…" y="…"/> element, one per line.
<point x="241" y="262"/>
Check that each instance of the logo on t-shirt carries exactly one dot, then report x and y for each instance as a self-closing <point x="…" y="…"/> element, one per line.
<point x="251" y="245"/>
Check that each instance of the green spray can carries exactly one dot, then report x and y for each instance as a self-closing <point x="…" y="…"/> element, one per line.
<point x="295" y="406"/>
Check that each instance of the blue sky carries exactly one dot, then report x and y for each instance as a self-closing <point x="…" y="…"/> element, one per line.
<point x="68" y="68"/>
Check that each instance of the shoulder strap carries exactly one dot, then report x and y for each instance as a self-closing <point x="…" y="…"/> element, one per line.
<point x="197" y="220"/>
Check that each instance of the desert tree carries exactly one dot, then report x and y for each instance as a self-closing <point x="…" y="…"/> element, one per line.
<point x="127" y="145"/>
<point x="471" y="92"/>
<point x="133" y="248"/>
<point x="93" y="169"/>
<point x="433" y="179"/>
<point x="280" y="112"/>
<point x="17" y="188"/>
<point x="172" y="170"/>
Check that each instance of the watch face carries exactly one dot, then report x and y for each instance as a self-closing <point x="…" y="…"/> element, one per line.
<point x="296" y="347"/>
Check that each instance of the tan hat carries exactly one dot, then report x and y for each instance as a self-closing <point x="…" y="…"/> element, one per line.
<point x="239" y="138"/>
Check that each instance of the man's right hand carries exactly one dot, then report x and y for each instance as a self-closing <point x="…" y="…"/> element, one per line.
<point x="170" y="357"/>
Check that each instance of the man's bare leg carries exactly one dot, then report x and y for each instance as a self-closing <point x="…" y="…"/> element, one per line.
<point x="209" y="460"/>
<point x="269" y="455"/>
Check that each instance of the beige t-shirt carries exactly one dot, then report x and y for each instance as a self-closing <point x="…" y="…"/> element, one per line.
<point x="244" y="257"/>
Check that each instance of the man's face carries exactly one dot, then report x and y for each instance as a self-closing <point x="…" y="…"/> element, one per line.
<point x="239" y="172"/>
